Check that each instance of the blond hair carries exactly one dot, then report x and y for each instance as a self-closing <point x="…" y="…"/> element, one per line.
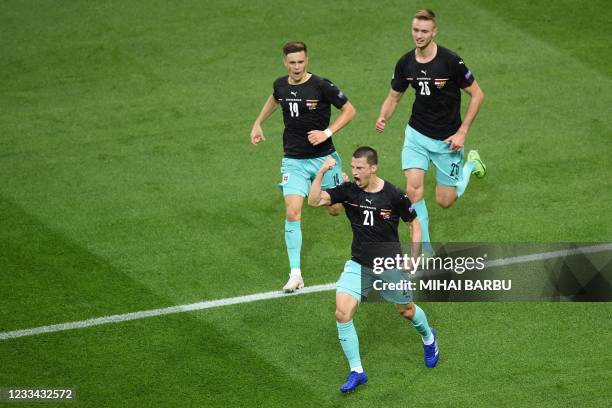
<point x="426" y="14"/>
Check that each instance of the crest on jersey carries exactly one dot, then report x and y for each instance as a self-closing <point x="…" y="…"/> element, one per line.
<point x="385" y="214"/>
<point x="440" y="82"/>
<point x="312" y="103"/>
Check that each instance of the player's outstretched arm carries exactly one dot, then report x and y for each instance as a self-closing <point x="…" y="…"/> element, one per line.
<point x="268" y="108"/>
<point x="476" y="98"/>
<point x="387" y="109"/>
<point x="347" y="113"/>
<point x="316" y="197"/>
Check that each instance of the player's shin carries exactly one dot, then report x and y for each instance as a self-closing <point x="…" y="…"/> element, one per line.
<point x="293" y="240"/>
<point x="468" y="168"/>
<point x="350" y="344"/>
<point x="419" y="321"/>
<point x="423" y="215"/>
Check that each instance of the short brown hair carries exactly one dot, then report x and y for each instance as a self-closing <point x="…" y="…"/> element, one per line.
<point x="426" y="14"/>
<point x="367" y="152"/>
<point x="294" y="46"/>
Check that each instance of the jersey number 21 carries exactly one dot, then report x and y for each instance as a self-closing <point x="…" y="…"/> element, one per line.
<point x="369" y="217"/>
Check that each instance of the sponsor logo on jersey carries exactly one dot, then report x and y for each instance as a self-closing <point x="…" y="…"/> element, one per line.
<point x="312" y="103"/>
<point x="468" y="74"/>
<point x="293" y="93"/>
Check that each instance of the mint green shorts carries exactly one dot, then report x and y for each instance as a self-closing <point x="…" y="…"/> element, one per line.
<point x="359" y="281"/>
<point x="419" y="150"/>
<point x="297" y="174"/>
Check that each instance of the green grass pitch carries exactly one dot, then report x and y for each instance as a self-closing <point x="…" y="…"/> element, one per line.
<point x="129" y="183"/>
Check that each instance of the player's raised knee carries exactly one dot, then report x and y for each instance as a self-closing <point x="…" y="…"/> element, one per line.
<point x="445" y="200"/>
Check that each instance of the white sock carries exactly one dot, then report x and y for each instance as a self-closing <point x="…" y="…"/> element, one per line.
<point x="295" y="273"/>
<point x="429" y="341"/>
<point x="357" y="369"/>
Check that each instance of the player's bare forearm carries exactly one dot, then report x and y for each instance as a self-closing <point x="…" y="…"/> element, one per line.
<point x="316" y="197"/>
<point x="476" y="99"/>
<point x="457" y="140"/>
<point x="415" y="248"/>
<point x="416" y="237"/>
<point x="387" y="109"/>
<point x="347" y="114"/>
<point x="267" y="110"/>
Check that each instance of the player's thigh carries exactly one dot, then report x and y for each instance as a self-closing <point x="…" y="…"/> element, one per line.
<point x="346" y="305"/>
<point x="350" y="281"/>
<point x="294" y="202"/>
<point x="295" y="179"/>
<point x="415" y="179"/>
<point x="415" y="154"/>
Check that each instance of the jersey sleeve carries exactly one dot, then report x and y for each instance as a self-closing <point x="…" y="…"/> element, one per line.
<point x="399" y="83"/>
<point x="333" y="94"/>
<point x="338" y="193"/>
<point x="405" y="208"/>
<point x="461" y="73"/>
<point x="275" y="91"/>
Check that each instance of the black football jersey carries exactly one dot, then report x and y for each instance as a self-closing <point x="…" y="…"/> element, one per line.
<point x="374" y="219"/>
<point x="436" y="111"/>
<point x="306" y="107"/>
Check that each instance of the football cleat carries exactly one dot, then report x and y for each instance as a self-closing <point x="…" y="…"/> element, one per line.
<point x="294" y="283"/>
<point x="479" y="167"/>
<point x="432" y="354"/>
<point x="353" y="381"/>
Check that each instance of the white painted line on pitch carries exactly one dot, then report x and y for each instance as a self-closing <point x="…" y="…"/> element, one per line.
<point x="160" y="312"/>
<point x="261" y="296"/>
<point x="549" y="255"/>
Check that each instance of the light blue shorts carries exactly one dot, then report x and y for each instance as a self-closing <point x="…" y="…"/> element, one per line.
<point x="419" y="150"/>
<point x="359" y="281"/>
<point x="297" y="174"/>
